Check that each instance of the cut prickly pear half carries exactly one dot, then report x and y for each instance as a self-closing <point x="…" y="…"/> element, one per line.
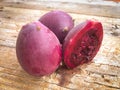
<point x="82" y="43"/>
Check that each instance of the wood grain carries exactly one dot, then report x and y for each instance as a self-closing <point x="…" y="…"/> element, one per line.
<point x="101" y="74"/>
<point x="88" y="7"/>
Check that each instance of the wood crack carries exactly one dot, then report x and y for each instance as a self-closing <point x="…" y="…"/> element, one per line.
<point x="9" y="46"/>
<point x="109" y="65"/>
<point x="102" y="73"/>
<point x="103" y="84"/>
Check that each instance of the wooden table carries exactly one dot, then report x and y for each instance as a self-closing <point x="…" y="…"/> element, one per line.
<point x="102" y="74"/>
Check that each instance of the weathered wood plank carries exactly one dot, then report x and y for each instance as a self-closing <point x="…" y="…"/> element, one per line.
<point x="67" y="78"/>
<point x="26" y="83"/>
<point x="12" y="15"/>
<point x="90" y="7"/>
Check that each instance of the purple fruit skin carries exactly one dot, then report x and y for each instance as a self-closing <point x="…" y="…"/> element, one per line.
<point x="59" y="22"/>
<point x="38" y="49"/>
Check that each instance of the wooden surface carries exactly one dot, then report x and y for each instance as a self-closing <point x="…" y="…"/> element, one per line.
<point x="102" y="74"/>
<point x="109" y="8"/>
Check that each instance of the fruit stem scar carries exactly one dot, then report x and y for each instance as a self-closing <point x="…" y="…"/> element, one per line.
<point x="38" y="28"/>
<point x="73" y="20"/>
<point x="65" y="29"/>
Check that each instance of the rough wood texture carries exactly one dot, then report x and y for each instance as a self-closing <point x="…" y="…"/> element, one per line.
<point x="109" y="8"/>
<point x="102" y="74"/>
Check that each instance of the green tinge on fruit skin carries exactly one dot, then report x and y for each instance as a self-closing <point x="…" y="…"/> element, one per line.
<point x="38" y="49"/>
<point x="82" y="43"/>
<point x="59" y="22"/>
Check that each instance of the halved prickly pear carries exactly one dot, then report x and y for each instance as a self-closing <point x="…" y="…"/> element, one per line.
<point x="38" y="49"/>
<point x="82" y="43"/>
<point x="59" y="22"/>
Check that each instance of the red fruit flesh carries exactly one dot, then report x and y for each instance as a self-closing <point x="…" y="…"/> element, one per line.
<point x="82" y="43"/>
<point x="38" y="49"/>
